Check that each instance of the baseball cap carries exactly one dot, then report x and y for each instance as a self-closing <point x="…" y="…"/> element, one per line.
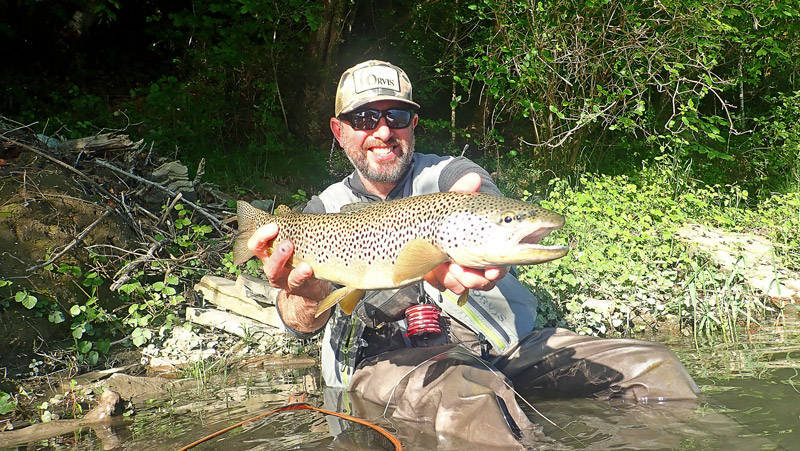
<point x="371" y="81"/>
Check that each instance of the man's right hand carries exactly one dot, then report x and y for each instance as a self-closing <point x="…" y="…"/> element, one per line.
<point x="301" y="289"/>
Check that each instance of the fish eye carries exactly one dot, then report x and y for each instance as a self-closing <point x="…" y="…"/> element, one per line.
<point x="507" y="217"/>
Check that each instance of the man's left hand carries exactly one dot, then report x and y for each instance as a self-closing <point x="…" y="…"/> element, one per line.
<point x="456" y="278"/>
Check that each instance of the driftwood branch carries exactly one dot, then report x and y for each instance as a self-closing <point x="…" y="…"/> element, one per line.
<point x="77" y="240"/>
<point x="66" y="166"/>
<point x="130" y="267"/>
<point x="221" y="228"/>
<point x="98" y="188"/>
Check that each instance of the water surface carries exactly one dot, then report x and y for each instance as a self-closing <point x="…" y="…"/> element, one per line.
<point x="751" y="400"/>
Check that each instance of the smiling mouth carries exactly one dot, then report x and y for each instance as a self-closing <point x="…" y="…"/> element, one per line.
<point x="381" y="150"/>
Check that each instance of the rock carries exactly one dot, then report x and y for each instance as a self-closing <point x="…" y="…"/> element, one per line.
<point x="265" y="205"/>
<point x="747" y="254"/>
<point x="173" y="170"/>
<point x="257" y="289"/>
<point x="175" y="177"/>
<point x="233" y="324"/>
<point x="223" y="293"/>
<point x="138" y="389"/>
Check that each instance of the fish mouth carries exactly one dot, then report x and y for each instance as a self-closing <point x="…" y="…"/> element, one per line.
<point x="528" y="249"/>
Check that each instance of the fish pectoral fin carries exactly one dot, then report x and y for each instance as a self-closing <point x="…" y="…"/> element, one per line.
<point x="350" y="300"/>
<point x="462" y="299"/>
<point x="415" y="259"/>
<point x="346" y="297"/>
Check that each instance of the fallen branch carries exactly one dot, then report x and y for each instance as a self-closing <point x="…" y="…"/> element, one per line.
<point x="97" y="418"/>
<point x="100" y="190"/>
<point x="214" y="221"/>
<point x="63" y="165"/>
<point x="130" y="267"/>
<point x="77" y="240"/>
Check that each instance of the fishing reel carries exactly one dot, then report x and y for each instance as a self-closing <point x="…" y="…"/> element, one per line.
<point x="423" y="318"/>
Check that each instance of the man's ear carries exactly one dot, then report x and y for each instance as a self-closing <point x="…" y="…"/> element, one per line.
<point x="336" y="129"/>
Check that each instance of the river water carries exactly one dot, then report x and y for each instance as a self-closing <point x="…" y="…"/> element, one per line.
<point x="751" y="400"/>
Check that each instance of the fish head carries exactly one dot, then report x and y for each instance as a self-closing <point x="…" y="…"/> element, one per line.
<point x="488" y="230"/>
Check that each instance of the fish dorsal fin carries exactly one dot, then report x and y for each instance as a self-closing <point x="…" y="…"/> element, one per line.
<point x="354" y="207"/>
<point x="415" y="259"/>
<point x="282" y="210"/>
<point x="346" y="297"/>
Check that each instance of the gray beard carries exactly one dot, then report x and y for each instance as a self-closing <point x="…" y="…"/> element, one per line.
<point x="393" y="176"/>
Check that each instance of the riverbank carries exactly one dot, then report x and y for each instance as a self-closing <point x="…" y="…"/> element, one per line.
<point x="103" y="242"/>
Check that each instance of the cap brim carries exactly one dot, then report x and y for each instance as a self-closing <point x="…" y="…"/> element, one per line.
<point x="361" y="103"/>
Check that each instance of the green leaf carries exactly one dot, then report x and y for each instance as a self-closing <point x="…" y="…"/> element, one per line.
<point x="140" y="336"/>
<point x="56" y="317"/>
<point x="75" y="310"/>
<point x="7" y="404"/>
<point x="129" y="288"/>
<point x="27" y="300"/>
<point x="103" y="345"/>
<point x="84" y="346"/>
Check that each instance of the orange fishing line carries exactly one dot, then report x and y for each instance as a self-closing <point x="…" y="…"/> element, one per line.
<point x="303" y="406"/>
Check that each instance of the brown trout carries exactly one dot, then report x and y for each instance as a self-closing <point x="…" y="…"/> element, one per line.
<point x="381" y="245"/>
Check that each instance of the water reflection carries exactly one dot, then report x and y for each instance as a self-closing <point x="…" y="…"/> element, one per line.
<point x="751" y="400"/>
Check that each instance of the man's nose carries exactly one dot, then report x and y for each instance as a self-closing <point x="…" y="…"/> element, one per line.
<point x="382" y="131"/>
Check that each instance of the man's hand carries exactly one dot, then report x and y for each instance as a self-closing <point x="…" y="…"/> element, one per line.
<point x="301" y="291"/>
<point x="298" y="281"/>
<point x="456" y="278"/>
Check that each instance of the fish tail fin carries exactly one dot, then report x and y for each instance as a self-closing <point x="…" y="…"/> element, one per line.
<point x="346" y="297"/>
<point x="246" y="215"/>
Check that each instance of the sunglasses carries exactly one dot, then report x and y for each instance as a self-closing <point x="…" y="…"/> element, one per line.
<point x="368" y="119"/>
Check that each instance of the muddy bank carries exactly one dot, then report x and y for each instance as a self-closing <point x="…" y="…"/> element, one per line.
<point x="101" y="243"/>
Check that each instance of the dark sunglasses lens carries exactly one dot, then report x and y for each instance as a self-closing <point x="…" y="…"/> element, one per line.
<point x="366" y="120"/>
<point x="398" y="118"/>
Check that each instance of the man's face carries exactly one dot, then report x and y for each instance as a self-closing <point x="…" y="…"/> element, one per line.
<point x="382" y="154"/>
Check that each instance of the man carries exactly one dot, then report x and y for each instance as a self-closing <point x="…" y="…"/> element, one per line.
<point x="457" y="378"/>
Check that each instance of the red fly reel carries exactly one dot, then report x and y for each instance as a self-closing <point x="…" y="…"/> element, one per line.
<point x="423" y="319"/>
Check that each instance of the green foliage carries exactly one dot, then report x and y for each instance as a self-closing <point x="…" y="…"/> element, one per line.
<point x="91" y="322"/>
<point x="7" y="403"/>
<point x="595" y="84"/>
<point x="26" y="299"/>
<point x="627" y="269"/>
<point x="232" y="103"/>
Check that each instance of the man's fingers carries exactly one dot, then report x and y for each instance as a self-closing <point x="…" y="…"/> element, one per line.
<point x="261" y="239"/>
<point x="495" y="274"/>
<point x="275" y="266"/>
<point x="476" y="278"/>
<point x="469" y="277"/>
<point x="468" y="183"/>
<point x="298" y="277"/>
